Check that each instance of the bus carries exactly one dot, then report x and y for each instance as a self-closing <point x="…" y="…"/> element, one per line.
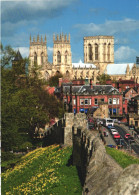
<point x="108" y="122"/>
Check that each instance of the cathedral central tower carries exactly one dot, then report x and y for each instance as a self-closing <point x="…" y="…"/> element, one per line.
<point x="99" y="50"/>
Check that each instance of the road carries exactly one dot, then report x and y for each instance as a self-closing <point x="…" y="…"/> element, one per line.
<point x="110" y="141"/>
<point x="122" y="133"/>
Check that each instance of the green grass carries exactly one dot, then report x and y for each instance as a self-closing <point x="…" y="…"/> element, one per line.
<point x="43" y="171"/>
<point x="122" y="158"/>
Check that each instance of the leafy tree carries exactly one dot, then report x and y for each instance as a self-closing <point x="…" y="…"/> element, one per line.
<point x="103" y="78"/>
<point x="54" y="80"/>
<point x="7" y="55"/>
<point x="25" y="104"/>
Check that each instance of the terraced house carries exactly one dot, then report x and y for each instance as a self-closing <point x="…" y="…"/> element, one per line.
<point x="82" y="98"/>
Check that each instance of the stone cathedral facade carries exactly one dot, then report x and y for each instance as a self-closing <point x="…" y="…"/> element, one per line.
<point x="98" y="54"/>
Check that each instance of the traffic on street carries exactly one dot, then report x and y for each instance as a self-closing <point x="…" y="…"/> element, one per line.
<point x="114" y="134"/>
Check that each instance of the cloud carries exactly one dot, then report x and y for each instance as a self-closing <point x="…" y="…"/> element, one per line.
<point x="16" y="11"/>
<point x="23" y="50"/>
<point x="50" y="50"/>
<point x="125" y="54"/>
<point x="50" y="53"/>
<point x="110" y="27"/>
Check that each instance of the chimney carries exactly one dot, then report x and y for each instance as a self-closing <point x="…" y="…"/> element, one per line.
<point x="91" y="83"/>
<point x="60" y="82"/>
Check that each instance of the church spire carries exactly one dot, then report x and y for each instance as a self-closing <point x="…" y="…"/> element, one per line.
<point x="53" y="37"/>
<point x="69" y="37"/>
<point x="38" y="38"/>
<point x="30" y="38"/>
<point x="41" y="39"/>
<point x="45" y="39"/>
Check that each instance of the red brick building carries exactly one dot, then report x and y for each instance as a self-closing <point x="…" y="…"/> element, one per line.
<point x="127" y="95"/>
<point x="82" y="98"/>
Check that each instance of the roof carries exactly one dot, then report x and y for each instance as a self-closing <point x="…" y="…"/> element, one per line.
<point x="80" y="64"/>
<point x="93" y="109"/>
<point x="18" y="56"/>
<point x="136" y="97"/>
<point x="86" y="89"/>
<point x="116" y="69"/>
<point x="50" y="90"/>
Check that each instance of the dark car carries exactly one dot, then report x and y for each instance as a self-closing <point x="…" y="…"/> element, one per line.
<point x="120" y="142"/>
<point x="131" y="140"/>
<point x="131" y="127"/>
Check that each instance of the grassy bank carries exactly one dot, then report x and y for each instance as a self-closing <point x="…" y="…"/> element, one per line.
<point x="43" y="171"/>
<point x="121" y="157"/>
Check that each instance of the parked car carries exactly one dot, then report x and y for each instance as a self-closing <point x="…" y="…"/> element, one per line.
<point x="127" y="136"/>
<point x="114" y="132"/>
<point x="120" y="142"/>
<point x="131" y="127"/>
<point x="131" y="140"/>
<point x="116" y="136"/>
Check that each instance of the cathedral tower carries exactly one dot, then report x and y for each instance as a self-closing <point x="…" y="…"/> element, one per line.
<point x="99" y="50"/>
<point x="62" y="54"/>
<point x="38" y="51"/>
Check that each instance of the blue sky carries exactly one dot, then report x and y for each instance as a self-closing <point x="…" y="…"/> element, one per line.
<point x="119" y="18"/>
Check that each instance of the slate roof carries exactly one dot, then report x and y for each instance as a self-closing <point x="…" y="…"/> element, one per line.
<point x="86" y="89"/>
<point x="135" y="89"/>
<point x="136" y="97"/>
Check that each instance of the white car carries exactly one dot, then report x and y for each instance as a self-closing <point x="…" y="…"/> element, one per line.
<point x="114" y="132"/>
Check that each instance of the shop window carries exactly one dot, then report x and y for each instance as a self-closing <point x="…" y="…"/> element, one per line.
<point x="110" y="110"/>
<point x="136" y="123"/>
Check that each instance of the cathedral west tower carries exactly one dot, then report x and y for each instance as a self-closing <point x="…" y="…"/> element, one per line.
<point x="38" y="52"/>
<point x="62" y="59"/>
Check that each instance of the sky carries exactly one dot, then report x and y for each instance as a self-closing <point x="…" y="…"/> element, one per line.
<point x="118" y="18"/>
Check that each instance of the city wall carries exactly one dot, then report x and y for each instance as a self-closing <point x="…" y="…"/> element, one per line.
<point x="99" y="173"/>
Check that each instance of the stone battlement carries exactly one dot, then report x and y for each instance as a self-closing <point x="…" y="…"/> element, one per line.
<point x="61" y="38"/>
<point x="38" y="40"/>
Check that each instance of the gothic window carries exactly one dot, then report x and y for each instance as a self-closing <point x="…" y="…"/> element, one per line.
<point x="104" y="52"/>
<point x="96" y="51"/>
<point x="90" y="51"/>
<point x="67" y="73"/>
<point x="109" y="45"/>
<point x="57" y="72"/>
<point x="42" y="58"/>
<point x="58" y="57"/>
<point x="35" y="58"/>
<point x="47" y="75"/>
<point x="66" y="57"/>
